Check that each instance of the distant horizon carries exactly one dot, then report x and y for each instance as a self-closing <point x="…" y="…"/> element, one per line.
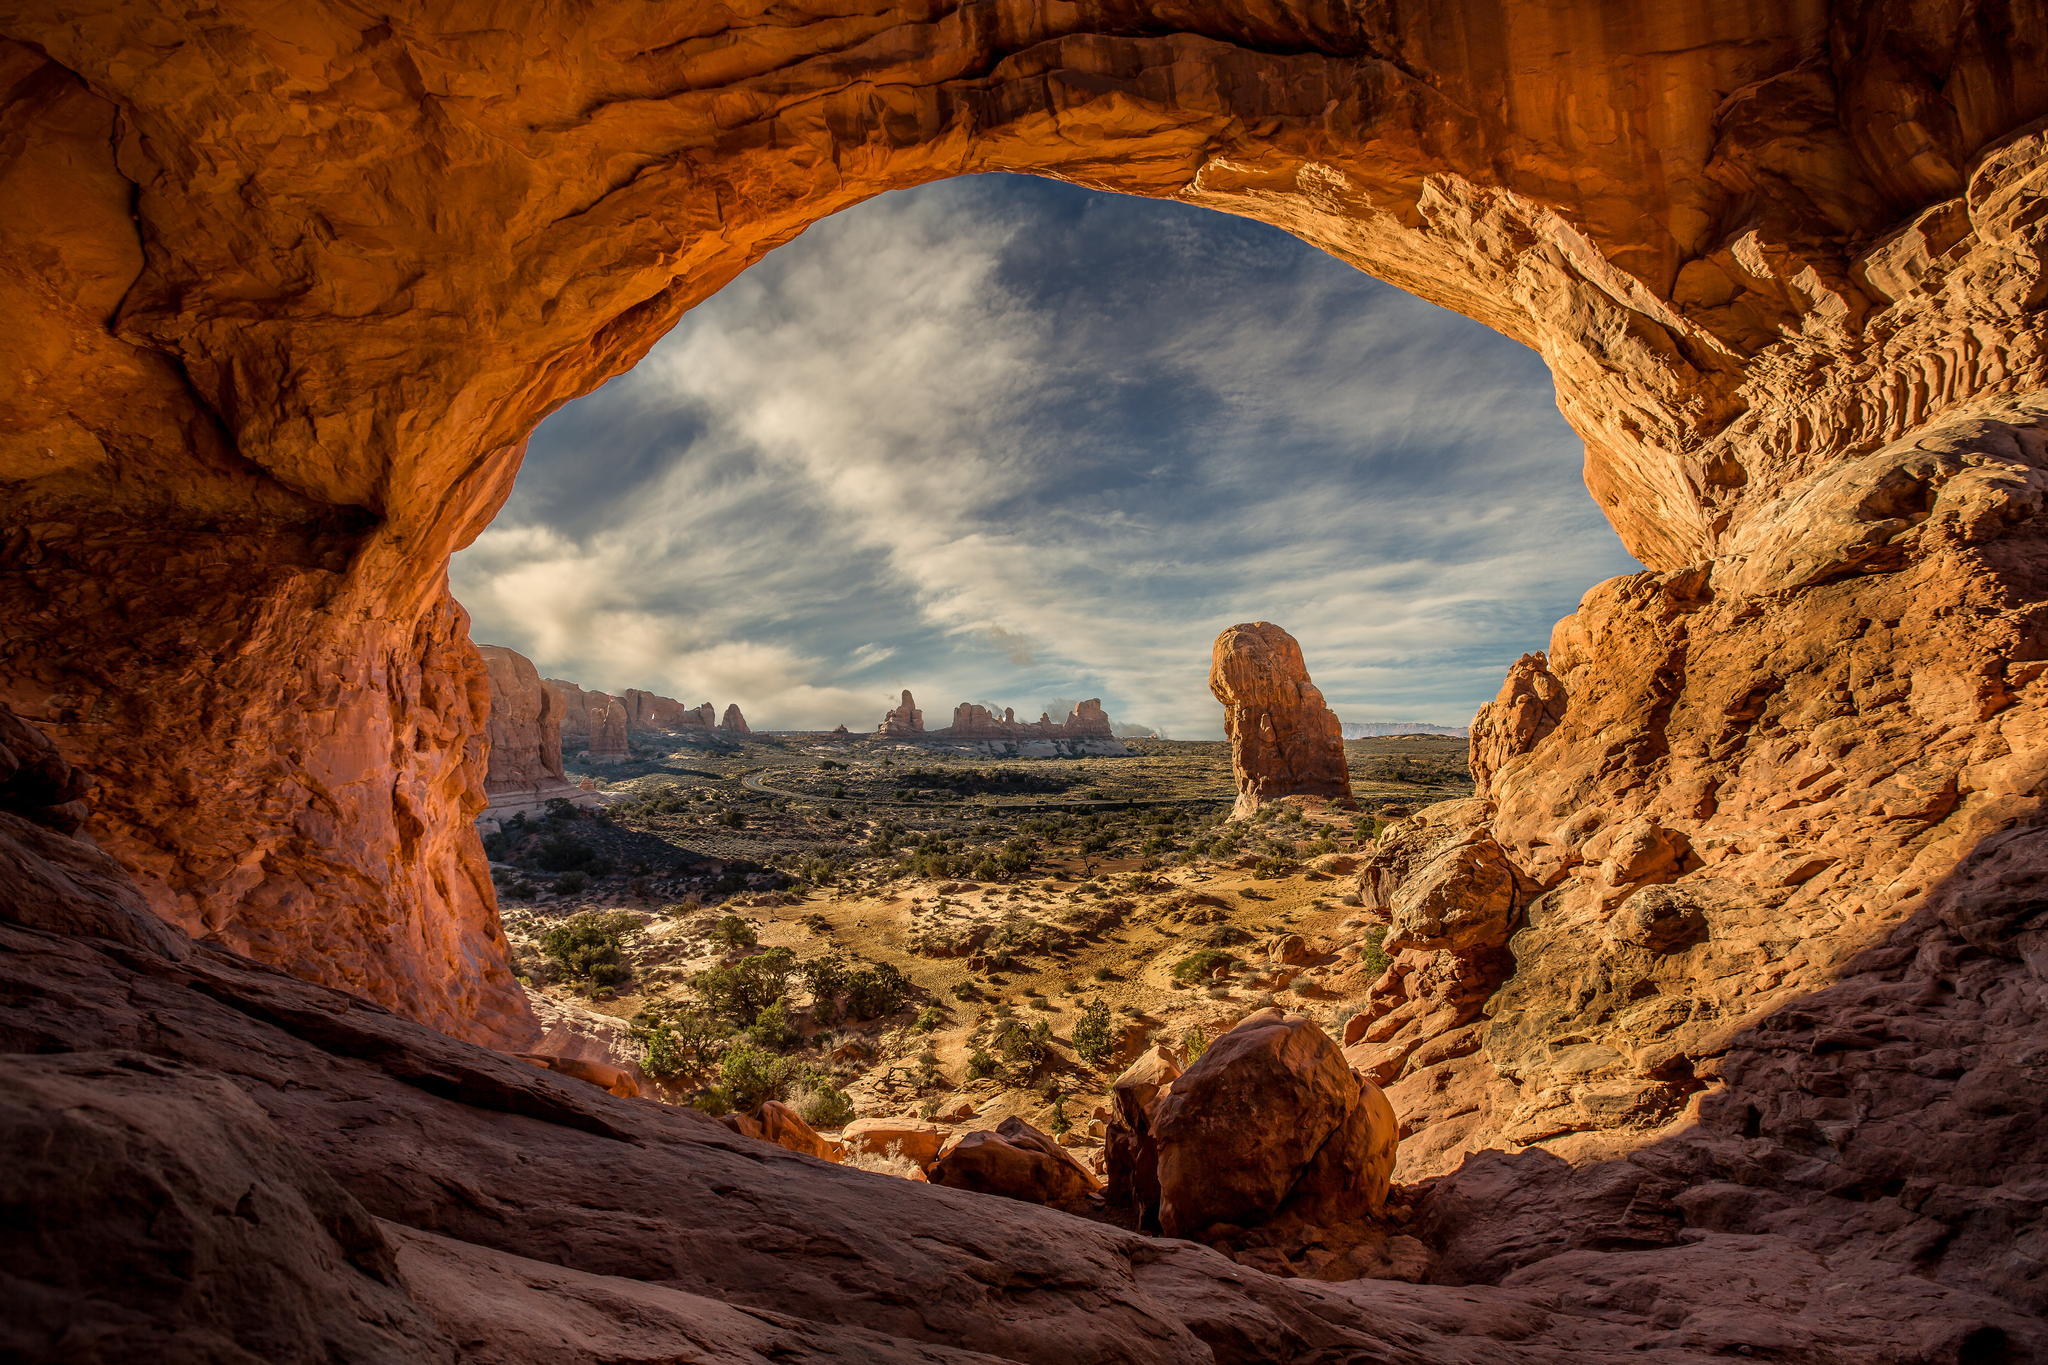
<point x="1006" y="436"/>
<point x="1057" y="709"/>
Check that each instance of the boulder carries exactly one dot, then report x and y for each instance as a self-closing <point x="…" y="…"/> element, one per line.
<point x="911" y="1140"/>
<point x="1016" y="1161"/>
<point x="1271" y="1122"/>
<point x="615" y="1079"/>
<point x="1283" y="740"/>
<point x="773" y="1121"/>
<point x="1130" y="1153"/>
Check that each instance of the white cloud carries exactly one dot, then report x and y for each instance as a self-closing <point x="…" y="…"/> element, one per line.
<point x="888" y="457"/>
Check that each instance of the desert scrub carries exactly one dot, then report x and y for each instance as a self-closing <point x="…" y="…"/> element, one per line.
<point x="1094" y="1035"/>
<point x="1372" y="950"/>
<point x="821" y="1104"/>
<point x="733" y="934"/>
<point x="589" y="949"/>
<point x="1193" y="1043"/>
<point x="679" y="1042"/>
<point x="740" y="992"/>
<point x="1199" y="966"/>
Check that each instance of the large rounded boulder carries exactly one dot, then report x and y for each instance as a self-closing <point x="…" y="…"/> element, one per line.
<point x="1270" y="1122"/>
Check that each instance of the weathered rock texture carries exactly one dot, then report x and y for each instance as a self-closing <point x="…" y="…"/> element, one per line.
<point x="1269" y="1123"/>
<point x="901" y="720"/>
<point x="525" y="769"/>
<point x="287" y="287"/>
<point x="734" y="723"/>
<point x="647" y="713"/>
<point x="1016" y="1161"/>
<point x="1283" y="740"/>
<point x="594" y="724"/>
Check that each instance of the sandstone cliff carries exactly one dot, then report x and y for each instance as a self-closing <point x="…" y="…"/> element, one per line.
<point x="1740" y="922"/>
<point x="1283" y="740"/>
<point x="525" y="770"/>
<point x="594" y="724"/>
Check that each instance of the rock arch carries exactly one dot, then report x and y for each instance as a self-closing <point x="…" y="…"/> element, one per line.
<point x="290" y="292"/>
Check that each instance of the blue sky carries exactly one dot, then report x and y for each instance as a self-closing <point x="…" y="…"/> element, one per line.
<point x="1003" y="439"/>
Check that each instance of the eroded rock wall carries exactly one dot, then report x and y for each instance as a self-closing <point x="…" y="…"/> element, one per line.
<point x="286" y="297"/>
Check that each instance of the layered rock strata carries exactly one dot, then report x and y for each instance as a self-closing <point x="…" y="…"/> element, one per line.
<point x="648" y="712"/>
<point x="1283" y="740"/>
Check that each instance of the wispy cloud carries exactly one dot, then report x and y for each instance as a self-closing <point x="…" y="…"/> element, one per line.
<point x="1006" y="438"/>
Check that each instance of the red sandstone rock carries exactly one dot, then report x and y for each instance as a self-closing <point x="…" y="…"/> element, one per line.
<point x="1785" y="264"/>
<point x="1270" y="1122"/>
<point x="1283" y="740"/>
<point x="734" y="723"/>
<point x="648" y="712"/>
<point x="1130" y="1151"/>
<point x="614" y="1080"/>
<point x="526" y="725"/>
<point x="1016" y="1161"/>
<point x="902" y="720"/>
<point x="972" y="721"/>
<point x="595" y="724"/>
<point x="911" y="1140"/>
<point x="773" y="1121"/>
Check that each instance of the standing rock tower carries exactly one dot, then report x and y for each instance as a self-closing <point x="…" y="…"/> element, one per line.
<point x="1283" y="740"/>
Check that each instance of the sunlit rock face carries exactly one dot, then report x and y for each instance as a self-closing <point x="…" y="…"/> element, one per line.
<point x="286" y="290"/>
<point x="594" y="724"/>
<point x="902" y="720"/>
<point x="525" y="768"/>
<point x="285" y="299"/>
<point x="1284" y="741"/>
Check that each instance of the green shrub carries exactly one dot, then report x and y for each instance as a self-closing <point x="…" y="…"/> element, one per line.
<point x="821" y="1104"/>
<point x="1198" y="966"/>
<point x="679" y="1043"/>
<point x="1193" y="1044"/>
<point x="740" y="992"/>
<point x="981" y="1064"/>
<point x="929" y="1018"/>
<point x="733" y="934"/>
<point x="772" y="1029"/>
<point x="590" y="947"/>
<point x="1094" y="1036"/>
<point x="1372" y="952"/>
<point x="749" y="1074"/>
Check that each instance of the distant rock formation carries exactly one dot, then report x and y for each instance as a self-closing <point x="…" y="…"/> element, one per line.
<point x="1386" y="729"/>
<point x="594" y="724"/>
<point x="972" y="720"/>
<point x="525" y="770"/>
<point x="649" y="712"/>
<point x="734" y="723"/>
<point x="1283" y="740"/>
<point x="903" y="720"/>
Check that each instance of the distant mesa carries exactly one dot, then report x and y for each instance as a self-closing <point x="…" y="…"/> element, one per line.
<point x="1284" y="741"/>
<point x="1387" y="729"/>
